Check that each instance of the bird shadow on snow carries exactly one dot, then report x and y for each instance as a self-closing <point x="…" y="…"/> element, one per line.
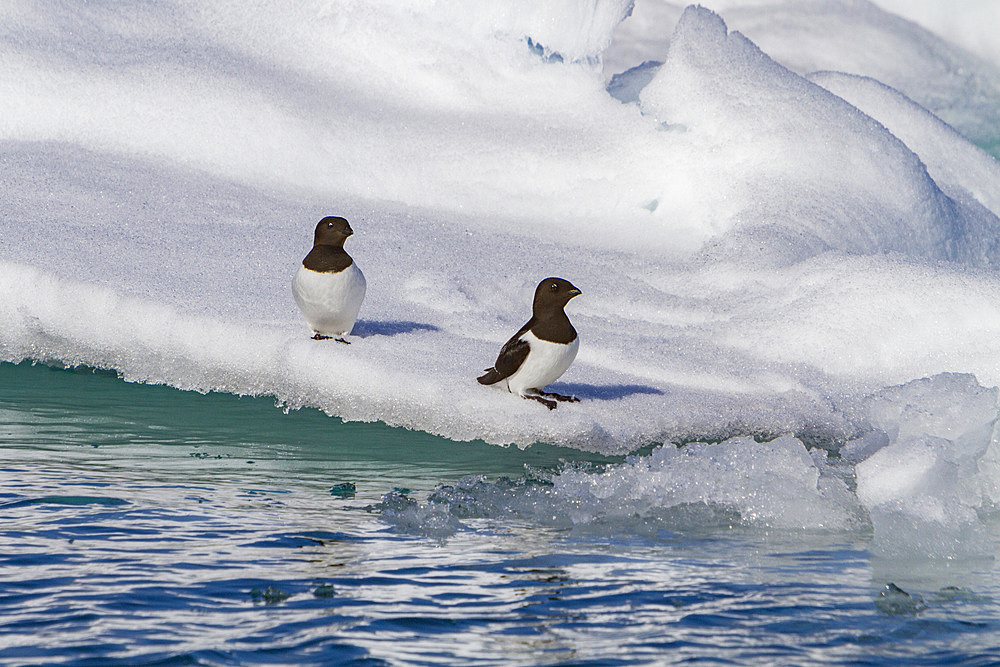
<point x="602" y="392"/>
<point x="366" y="328"/>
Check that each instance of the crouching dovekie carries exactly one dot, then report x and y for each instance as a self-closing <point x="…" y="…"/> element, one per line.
<point x="542" y="349"/>
<point x="328" y="286"/>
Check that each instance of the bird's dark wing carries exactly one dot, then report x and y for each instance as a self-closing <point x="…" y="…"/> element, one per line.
<point x="511" y="356"/>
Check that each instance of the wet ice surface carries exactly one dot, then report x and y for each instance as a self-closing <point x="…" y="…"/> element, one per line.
<point x="161" y="534"/>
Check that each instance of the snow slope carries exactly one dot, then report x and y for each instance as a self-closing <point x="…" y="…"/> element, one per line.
<point x="942" y="55"/>
<point x="764" y="249"/>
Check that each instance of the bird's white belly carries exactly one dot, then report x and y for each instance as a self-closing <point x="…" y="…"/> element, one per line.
<point x="545" y="363"/>
<point x="329" y="301"/>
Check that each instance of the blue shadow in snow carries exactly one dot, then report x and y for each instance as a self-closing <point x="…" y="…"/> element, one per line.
<point x="602" y="392"/>
<point x="366" y="328"/>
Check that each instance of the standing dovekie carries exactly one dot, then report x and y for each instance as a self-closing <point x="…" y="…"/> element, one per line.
<point x="542" y="350"/>
<point x="329" y="287"/>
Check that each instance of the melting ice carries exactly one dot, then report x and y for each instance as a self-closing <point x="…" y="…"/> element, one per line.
<point x="780" y="229"/>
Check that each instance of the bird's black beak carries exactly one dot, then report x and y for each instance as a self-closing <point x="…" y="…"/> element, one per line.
<point x="348" y="232"/>
<point x="574" y="292"/>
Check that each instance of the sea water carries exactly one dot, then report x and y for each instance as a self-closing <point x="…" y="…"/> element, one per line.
<point x="141" y="524"/>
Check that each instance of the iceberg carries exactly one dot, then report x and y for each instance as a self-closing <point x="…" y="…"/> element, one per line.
<point x="758" y="250"/>
<point x="769" y="232"/>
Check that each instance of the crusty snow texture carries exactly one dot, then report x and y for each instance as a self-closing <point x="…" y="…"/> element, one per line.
<point x="768" y="232"/>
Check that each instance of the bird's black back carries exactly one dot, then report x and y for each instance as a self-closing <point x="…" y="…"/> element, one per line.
<point x="512" y="355"/>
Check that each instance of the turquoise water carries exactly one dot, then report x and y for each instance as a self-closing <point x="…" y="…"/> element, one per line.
<point x="991" y="146"/>
<point x="144" y="525"/>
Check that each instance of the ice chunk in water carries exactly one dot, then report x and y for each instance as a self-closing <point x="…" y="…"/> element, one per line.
<point x="775" y="484"/>
<point x="925" y="490"/>
<point x="951" y="406"/>
<point x="894" y="601"/>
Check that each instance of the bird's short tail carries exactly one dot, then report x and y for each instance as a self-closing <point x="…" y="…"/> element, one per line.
<point x="491" y="377"/>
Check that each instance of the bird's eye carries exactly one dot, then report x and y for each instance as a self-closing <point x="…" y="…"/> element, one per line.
<point x="329" y="224"/>
<point x="553" y="287"/>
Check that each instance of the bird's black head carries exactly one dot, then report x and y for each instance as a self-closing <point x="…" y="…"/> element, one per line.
<point x="551" y="295"/>
<point x="332" y="231"/>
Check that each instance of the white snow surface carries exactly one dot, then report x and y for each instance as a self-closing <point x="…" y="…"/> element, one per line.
<point x="973" y="25"/>
<point x="779" y="227"/>
<point x="943" y="55"/>
<point x="757" y="252"/>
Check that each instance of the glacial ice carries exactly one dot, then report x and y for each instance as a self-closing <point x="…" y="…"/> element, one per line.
<point x="926" y="486"/>
<point x="771" y="235"/>
<point x="928" y="490"/>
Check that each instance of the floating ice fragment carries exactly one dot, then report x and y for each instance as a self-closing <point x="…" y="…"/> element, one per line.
<point x="697" y="487"/>
<point x="951" y="406"/>
<point x="269" y="595"/>
<point x="343" y="490"/>
<point x="894" y="601"/>
<point x="324" y="591"/>
<point x="406" y="515"/>
<point x="949" y="594"/>
<point x="924" y="491"/>
<point x="775" y="484"/>
<point x="860" y="448"/>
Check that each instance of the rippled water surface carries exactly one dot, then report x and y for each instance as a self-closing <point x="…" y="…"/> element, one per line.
<point x="144" y="525"/>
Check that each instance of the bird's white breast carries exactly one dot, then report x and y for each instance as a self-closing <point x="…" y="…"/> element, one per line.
<point x="546" y="361"/>
<point x="330" y="301"/>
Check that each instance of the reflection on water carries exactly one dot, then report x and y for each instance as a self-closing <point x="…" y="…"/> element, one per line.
<point x="114" y="423"/>
<point x="142" y="524"/>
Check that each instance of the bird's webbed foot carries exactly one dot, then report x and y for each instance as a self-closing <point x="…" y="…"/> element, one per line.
<point x="551" y="405"/>
<point x="319" y="336"/>
<point x="558" y="397"/>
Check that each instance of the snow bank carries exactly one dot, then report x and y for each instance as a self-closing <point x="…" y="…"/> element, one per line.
<point x="758" y="251"/>
<point x="966" y="172"/>
<point x="441" y="105"/>
<point x="973" y="27"/>
<point x="936" y="70"/>
<point x="712" y="305"/>
<point x="806" y="166"/>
